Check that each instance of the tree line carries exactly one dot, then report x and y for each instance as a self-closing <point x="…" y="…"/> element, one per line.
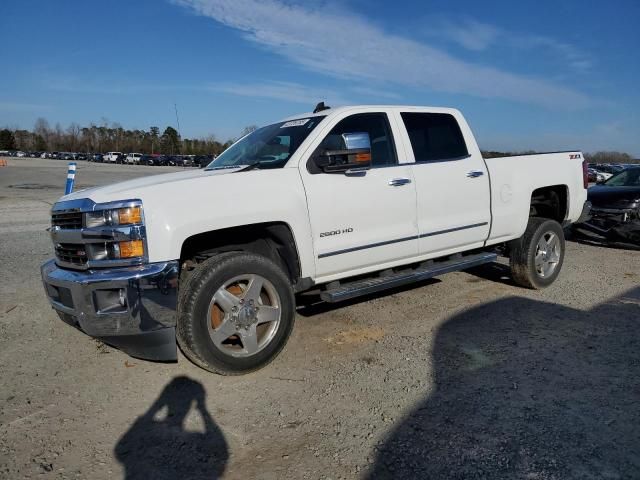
<point x="106" y="138"/>
<point x="114" y="138"/>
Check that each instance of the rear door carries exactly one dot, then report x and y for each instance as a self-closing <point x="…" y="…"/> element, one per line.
<point x="452" y="182"/>
<point x="362" y="222"/>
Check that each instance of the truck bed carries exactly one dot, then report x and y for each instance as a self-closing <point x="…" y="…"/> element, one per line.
<point x="512" y="188"/>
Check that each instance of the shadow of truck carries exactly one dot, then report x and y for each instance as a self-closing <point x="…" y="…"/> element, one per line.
<point x="527" y="389"/>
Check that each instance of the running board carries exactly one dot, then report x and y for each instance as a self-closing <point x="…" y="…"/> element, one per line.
<point x="377" y="284"/>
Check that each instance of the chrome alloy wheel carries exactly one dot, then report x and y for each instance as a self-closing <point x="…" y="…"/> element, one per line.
<point x="547" y="254"/>
<point x="244" y="315"/>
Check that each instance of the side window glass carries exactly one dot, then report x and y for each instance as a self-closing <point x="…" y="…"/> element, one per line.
<point x="434" y="136"/>
<point x="383" y="150"/>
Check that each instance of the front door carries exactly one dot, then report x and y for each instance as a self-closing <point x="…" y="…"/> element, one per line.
<point x="365" y="221"/>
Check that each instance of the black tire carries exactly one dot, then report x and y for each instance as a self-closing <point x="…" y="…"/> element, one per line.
<point x="523" y="251"/>
<point x="195" y="294"/>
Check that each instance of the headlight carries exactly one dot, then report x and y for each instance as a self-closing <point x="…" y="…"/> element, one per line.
<point x="125" y="225"/>
<point x="114" y="217"/>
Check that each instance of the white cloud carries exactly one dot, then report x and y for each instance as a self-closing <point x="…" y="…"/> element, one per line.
<point x="345" y="45"/>
<point x="285" y="91"/>
<point x="470" y="34"/>
<point x="477" y="36"/>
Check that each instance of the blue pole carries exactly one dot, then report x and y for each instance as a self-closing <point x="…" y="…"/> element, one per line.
<point x="71" y="176"/>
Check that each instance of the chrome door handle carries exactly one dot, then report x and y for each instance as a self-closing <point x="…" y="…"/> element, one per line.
<point x="475" y="173"/>
<point x="396" y="182"/>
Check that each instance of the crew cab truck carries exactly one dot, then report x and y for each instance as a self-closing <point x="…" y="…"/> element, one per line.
<point x="348" y="201"/>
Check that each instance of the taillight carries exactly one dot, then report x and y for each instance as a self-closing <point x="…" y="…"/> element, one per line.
<point x="585" y="174"/>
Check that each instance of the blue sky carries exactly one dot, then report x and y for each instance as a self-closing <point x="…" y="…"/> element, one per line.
<point x="542" y="75"/>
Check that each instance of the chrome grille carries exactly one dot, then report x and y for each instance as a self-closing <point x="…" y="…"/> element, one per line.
<point x="72" y="220"/>
<point x="71" y="253"/>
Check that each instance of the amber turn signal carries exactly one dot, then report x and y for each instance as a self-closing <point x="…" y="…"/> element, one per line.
<point x="363" y="157"/>
<point x="133" y="248"/>
<point x="129" y="216"/>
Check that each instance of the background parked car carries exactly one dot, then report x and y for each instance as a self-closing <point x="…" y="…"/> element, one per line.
<point x="615" y="212"/>
<point x="133" y="158"/>
<point x="112" y="157"/>
<point x="147" y="160"/>
<point x="201" y="161"/>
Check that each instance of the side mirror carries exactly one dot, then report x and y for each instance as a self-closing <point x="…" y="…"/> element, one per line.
<point x="355" y="155"/>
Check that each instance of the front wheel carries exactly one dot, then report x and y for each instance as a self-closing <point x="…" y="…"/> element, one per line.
<point x="235" y="313"/>
<point x="536" y="257"/>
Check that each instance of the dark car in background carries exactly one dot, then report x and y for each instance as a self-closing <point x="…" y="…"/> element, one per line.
<point x="201" y="161"/>
<point x="147" y="160"/>
<point x="615" y="210"/>
<point x="160" y="160"/>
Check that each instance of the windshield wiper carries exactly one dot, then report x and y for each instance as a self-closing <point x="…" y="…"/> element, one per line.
<point x="251" y="166"/>
<point x="222" y="167"/>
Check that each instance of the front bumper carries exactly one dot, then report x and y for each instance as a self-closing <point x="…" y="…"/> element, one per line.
<point x="131" y="308"/>
<point x="620" y="225"/>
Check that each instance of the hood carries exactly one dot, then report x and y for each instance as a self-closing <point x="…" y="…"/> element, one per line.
<point x="131" y="188"/>
<point x="613" y="197"/>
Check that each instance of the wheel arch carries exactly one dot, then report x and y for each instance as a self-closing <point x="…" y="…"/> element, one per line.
<point x="273" y="240"/>
<point x="550" y="202"/>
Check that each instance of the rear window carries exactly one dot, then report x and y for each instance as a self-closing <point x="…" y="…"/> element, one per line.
<point x="434" y="136"/>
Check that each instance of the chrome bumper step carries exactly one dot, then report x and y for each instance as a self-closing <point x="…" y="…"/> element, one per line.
<point x="429" y="270"/>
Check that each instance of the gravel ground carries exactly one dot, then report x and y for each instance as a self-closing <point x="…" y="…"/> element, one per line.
<point x="466" y="376"/>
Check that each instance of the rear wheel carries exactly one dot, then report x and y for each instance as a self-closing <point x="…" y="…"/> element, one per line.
<point x="235" y="313"/>
<point x="536" y="257"/>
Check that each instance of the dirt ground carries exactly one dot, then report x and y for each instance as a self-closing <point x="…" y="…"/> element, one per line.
<point x="466" y="376"/>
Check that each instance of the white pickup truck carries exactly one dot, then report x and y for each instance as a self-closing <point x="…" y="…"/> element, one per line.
<point x="346" y="201"/>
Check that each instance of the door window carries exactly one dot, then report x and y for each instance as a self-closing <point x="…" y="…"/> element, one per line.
<point x="383" y="152"/>
<point x="434" y="136"/>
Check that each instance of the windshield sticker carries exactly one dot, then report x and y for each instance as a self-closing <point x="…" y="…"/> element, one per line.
<point x="295" y="123"/>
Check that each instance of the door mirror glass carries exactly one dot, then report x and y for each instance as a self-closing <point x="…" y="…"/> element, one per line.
<point x="354" y="154"/>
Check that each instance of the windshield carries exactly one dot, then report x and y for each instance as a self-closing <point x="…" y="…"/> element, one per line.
<point x="627" y="178"/>
<point x="267" y="147"/>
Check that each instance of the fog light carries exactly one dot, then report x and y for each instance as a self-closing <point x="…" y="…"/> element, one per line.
<point x="122" y="296"/>
<point x="133" y="248"/>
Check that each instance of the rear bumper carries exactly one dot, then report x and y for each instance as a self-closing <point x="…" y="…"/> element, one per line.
<point x="131" y="308"/>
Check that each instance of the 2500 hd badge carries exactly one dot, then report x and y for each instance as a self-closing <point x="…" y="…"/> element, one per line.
<point x="336" y="232"/>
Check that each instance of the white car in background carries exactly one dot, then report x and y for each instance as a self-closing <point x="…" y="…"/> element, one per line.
<point x="21" y="154"/>
<point x="133" y="158"/>
<point x="111" y="157"/>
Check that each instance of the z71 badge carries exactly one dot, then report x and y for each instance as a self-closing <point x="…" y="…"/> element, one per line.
<point x="336" y="232"/>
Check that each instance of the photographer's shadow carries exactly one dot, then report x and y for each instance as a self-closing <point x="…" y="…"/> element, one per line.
<point x="157" y="446"/>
